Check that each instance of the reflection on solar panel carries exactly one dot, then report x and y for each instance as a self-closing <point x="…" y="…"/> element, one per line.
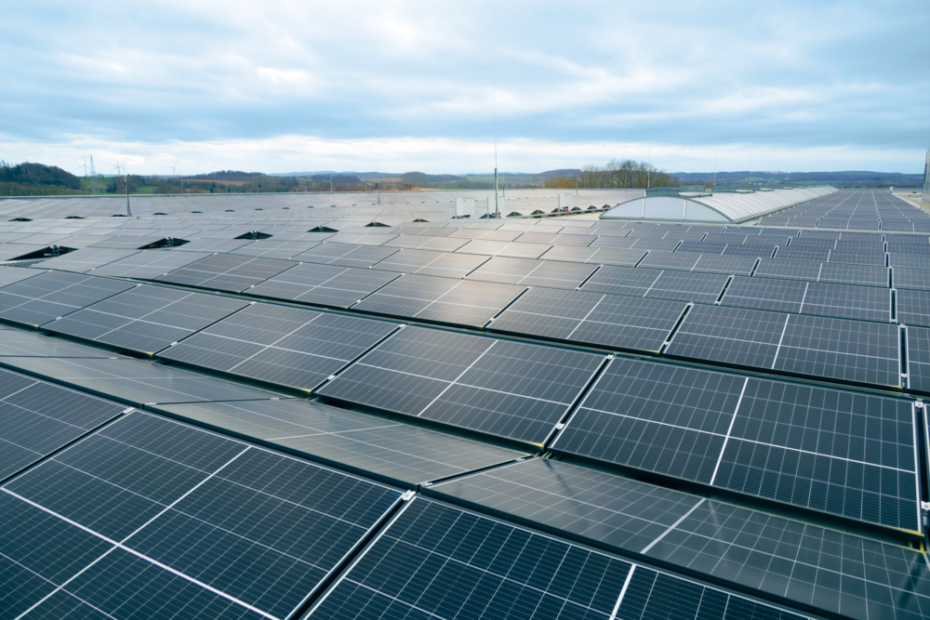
<point x="85" y="259"/>
<point x="374" y="445"/>
<point x="287" y="346"/>
<point x="834" y="300"/>
<point x="660" y="418"/>
<point x="421" y="242"/>
<point x="737" y="545"/>
<point x="729" y="335"/>
<point x="431" y="263"/>
<point x="163" y="516"/>
<point x="16" y="343"/>
<point x="674" y="285"/>
<point x="514" y="390"/>
<point x="146" y="318"/>
<point x="325" y="285"/>
<point x="53" y="294"/>
<point x="595" y="256"/>
<point x="227" y="272"/>
<point x="606" y="320"/>
<point x="501" y="248"/>
<point x="918" y="359"/>
<point x="840" y="452"/>
<point x="840" y="349"/>
<point x="274" y="248"/>
<point x="498" y="567"/>
<point x="346" y="255"/>
<point x="913" y="307"/>
<point x="148" y="264"/>
<point x="40" y="418"/>
<point x="526" y="272"/>
<point x="139" y="383"/>
<point x="441" y="299"/>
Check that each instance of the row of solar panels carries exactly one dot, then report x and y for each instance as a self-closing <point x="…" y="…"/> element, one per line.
<point x="128" y="512"/>
<point x="858" y="210"/>
<point x="525" y="392"/>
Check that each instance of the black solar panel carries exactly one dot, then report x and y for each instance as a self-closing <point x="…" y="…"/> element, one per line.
<point x="729" y="335"/>
<point x="432" y="263"/>
<point x="908" y="261"/>
<point x="787" y="269"/>
<point x="733" y="544"/>
<point x="227" y="272"/>
<point x="605" y="320"/>
<point x="286" y="346"/>
<point x="915" y="279"/>
<point x="274" y="248"/>
<point x="913" y="307"/>
<point x="918" y="359"/>
<point x="657" y="417"/>
<point x="595" y="256"/>
<point x="146" y="318"/>
<point x="845" y="453"/>
<point x="148" y="264"/>
<point x="40" y="418"/>
<point x="841" y="349"/>
<point x="49" y="295"/>
<point x="85" y="259"/>
<point x="16" y="343"/>
<point x="843" y="301"/>
<point x="139" y="383"/>
<point x="326" y="285"/>
<point x="525" y="272"/>
<point x="376" y="446"/>
<point x="169" y="516"/>
<point x="441" y="299"/>
<point x="765" y="294"/>
<point x="9" y="275"/>
<point x="515" y="390"/>
<point x="668" y="260"/>
<point x="673" y="285"/>
<point x="346" y="255"/>
<point x="864" y="275"/>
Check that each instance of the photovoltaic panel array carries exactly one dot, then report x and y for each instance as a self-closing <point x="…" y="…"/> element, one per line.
<point x="854" y="351"/>
<point x="503" y="249"/>
<point x="286" y="346"/>
<point x="49" y="295"/>
<point x="605" y="320"/>
<point x="656" y="417"/>
<point x="346" y="255"/>
<point x="16" y="343"/>
<point x="376" y="446"/>
<point x="9" y="275"/>
<point x="326" y="285"/>
<point x="913" y="307"/>
<point x="146" y="318"/>
<point x="918" y="359"/>
<point x="916" y="279"/>
<point x="838" y="273"/>
<point x="40" y="418"/>
<point x="441" y="299"/>
<point x="488" y="568"/>
<point x="85" y="259"/>
<point x="525" y="272"/>
<point x="227" y="272"/>
<point x="595" y="256"/>
<point x="675" y="285"/>
<point x="834" y="300"/>
<point x="148" y="264"/>
<point x="795" y="563"/>
<point x="431" y="263"/>
<point x="513" y="390"/>
<point x="136" y="382"/>
<point x="158" y="517"/>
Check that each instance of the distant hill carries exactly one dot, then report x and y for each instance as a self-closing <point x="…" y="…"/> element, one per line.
<point x="28" y="179"/>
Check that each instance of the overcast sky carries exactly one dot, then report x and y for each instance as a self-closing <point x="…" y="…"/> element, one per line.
<point x="408" y="85"/>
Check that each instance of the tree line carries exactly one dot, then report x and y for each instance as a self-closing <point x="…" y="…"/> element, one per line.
<point x="615" y="174"/>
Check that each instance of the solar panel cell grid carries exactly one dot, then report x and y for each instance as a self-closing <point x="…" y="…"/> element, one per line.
<point x="729" y="335"/>
<point x="345" y="255"/>
<point x="913" y="307"/>
<point x="227" y="272"/>
<point x="47" y="296"/>
<point x="918" y="359"/>
<point x="526" y="272"/>
<point x="326" y="285"/>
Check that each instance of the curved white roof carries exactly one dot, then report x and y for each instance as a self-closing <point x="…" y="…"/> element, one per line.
<point x="730" y="207"/>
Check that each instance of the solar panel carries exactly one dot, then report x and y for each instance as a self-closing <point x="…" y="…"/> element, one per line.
<point x="914" y="279"/>
<point x="183" y="520"/>
<point x="326" y="285"/>
<point x="845" y="453"/>
<point x="605" y="320"/>
<point x="510" y="389"/>
<point x="441" y="299"/>
<point x="286" y="346"/>
<point x="50" y="295"/>
<point x="913" y="307"/>
<point x="669" y="260"/>
<point x="15" y="343"/>
<point x="146" y="318"/>
<point x="361" y="238"/>
<point x="735" y="265"/>
<point x="40" y="418"/>
<point x="729" y="335"/>
<point x="619" y="242"/>
<point x="423" y="242"/>
<point x="865" y="303"/>
<point x="9" y="275"/>
<point x="438" y="561"/>
<point x="486" y="247"/>
<point x="376" y="446"/>
<point x="787" y="560"/>
<point x="655" y="417"/>
<point x="918" y="359"/>
<point x="596" y="256"/>
<point x="555" y="239"/>
<point x="526" y="272"/>
<point x="136" y="382"/>
<point x="699" y="247"/>
<point x="857" y="257"/>
<point x="765" y="294"/>
<point x="227" y="272"/>
<point x="750" y="250"/>
<point x="864" y="275"/>
<point x="431" y="263"/>
<point x="840" y="349"/>
<point x="909" y="261"/>
<point x="787" y="269"/>
<point x="85" y="259"/>
<point x="212" y="245"/>
<point x="275" y="248"/>
<point x="148" y="264"/>
<point x="673" y="285"/>
<point x="345" y="255"/>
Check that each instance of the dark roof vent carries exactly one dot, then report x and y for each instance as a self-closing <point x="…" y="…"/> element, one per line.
<point x="324" y="229"/>
<point x="21" y="219"/>
<point x="254" y="234"/>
